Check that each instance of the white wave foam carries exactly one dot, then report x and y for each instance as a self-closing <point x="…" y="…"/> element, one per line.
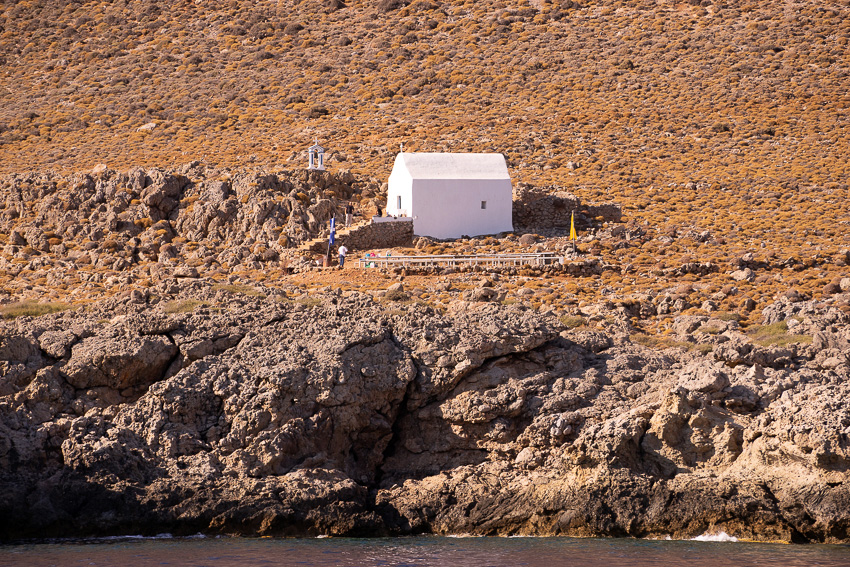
<point x="120" y="537"/>
<point x="721" y="536"/>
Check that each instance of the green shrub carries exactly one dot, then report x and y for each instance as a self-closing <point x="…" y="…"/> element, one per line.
<point x="237" y="288"/>
<point x="183" y="305"/>
<point x="775" y="334"/>
<point x="572" y="321"/>
<point x="396" y="295"/>
<point x="31" y="309"/>
<point x="309" y="301"/>
<point x="704" y="348"/>
<point x="709" y="330"/>
<point x="727" y="316"/>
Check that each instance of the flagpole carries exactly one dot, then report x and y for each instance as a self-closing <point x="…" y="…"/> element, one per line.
<point x="330" y="241"/>
<point x="573" y="235"/>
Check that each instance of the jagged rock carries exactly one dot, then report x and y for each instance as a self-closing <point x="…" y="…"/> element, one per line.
<point x="831" y="288"/>
<point x="57" y="344"/>
<point x="185" y="272"/>
<point x="484" y="294"/>
<point x="162" y="192"/>
<point x="793" y="295"/>
<point x="254" y="418"/>
<point x="16" y="238"/>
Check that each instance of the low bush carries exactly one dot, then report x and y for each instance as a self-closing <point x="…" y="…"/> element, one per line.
<point x="396" y="295"/>
<point x="239" y="288"/>
<point x="183" y="305"/>
<point x="775" y="334"/>
<point x="31" y="309"/>
<point x="572" y="321"/>
<point x="309" y="302"/>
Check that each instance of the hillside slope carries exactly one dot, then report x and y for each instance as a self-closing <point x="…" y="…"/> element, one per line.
<point x="632" y="94"/>
<point x="722" y="126"/>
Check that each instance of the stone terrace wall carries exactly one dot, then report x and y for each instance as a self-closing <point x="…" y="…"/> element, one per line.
<point x="610" y="212"/>
<point x="375" y="235"/>
<point x="542" y="208"/>
<point x="380" y="235"/>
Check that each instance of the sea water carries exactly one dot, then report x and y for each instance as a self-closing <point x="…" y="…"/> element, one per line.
<point x="417" y="551"/>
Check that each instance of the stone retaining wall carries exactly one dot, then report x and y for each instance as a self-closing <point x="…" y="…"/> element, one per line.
<point x="375" y="235"/>
<point x="544" y="208"/>
<point x="610" y="212"/>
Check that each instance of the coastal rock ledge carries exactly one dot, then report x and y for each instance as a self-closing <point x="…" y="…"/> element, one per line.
<point x="342" y="414"/>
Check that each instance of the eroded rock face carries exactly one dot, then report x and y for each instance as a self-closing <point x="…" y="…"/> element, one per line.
<point x="355" y="417"/>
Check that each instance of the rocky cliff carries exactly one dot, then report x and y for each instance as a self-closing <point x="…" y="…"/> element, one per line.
<point x="347" y="414"/>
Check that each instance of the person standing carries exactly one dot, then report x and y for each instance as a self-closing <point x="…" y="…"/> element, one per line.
<point x="342" y="252"/>
<point x="349" y="214"/>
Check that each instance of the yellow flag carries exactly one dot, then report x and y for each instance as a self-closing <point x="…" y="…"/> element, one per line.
<point x="573" y="227"/>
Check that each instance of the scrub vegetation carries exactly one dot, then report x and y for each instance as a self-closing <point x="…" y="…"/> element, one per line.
<point x="30" y="309"/>
<point x="646" y="100"/>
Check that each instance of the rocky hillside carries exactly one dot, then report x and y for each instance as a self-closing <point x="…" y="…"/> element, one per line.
<point x="132" y="217"/>
<point x="718" y="125"/>
<point x="350" y="413"/>
<point x="70" y="239"/>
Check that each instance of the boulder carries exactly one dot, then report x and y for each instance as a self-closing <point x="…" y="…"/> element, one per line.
<point x="703" y="377"/>
<point x="741" y="275"/>
<point x="119" y="362"/>
<point x="527" y="240"/>
<point x="57" y="344"/>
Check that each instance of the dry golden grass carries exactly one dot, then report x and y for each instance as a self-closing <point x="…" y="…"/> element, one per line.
<point x="640" y="95"/>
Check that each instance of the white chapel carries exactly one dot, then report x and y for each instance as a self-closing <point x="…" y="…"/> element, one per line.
<point x="450" y="195"/>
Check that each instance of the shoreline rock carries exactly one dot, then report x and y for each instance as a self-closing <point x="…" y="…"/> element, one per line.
<point x="350" y="416"/>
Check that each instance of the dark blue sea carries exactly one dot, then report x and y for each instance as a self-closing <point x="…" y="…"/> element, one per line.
<point x="418" y="551"/>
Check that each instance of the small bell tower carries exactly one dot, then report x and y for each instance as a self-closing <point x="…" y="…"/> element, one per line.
<point x="316" y="157"/>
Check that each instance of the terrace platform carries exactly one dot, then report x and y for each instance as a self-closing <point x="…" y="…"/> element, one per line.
<point x="535" y="259"/>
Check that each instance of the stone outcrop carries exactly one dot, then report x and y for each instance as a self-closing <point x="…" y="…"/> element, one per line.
<point x="352" y="415"/>
<point x="193" y="215"/>
<point x="201" y="219"/>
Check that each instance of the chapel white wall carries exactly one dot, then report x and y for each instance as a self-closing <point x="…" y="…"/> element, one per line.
<point x="400" y="183"/>
<point x="449" y="208"/>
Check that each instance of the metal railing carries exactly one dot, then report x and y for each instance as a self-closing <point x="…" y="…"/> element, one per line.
<point x="538" y="259"/>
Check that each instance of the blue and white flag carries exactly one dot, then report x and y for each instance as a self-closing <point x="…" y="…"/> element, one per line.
<point x="333" y="229"/>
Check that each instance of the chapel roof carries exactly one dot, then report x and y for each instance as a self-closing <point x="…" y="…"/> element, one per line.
<point x="453" y="165"/>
